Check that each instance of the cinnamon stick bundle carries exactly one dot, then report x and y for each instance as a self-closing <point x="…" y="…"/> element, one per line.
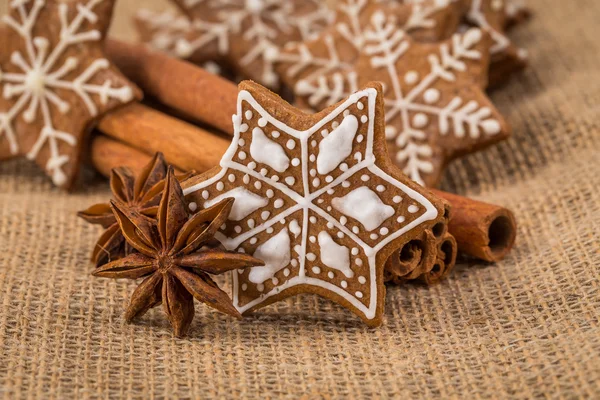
<point x="428" y="259"/>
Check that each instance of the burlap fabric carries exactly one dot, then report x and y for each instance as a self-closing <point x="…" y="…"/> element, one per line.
<point x="527" y="327"/>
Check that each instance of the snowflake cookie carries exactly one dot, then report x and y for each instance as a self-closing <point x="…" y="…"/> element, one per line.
<point x="436" y="108"/>
<point x="338" y="47"/>
<point x="316" y="198"/>
<point x="55" y="81"/>
<point x="247" y="34"/>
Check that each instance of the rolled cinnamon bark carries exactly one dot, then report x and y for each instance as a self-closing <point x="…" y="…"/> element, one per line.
<point x="185" y="146"/>
<point x="107" y="153"/>
<point x="428" y="259"/>
<point x="482" y="230"/>
<point x="178" y="84"/>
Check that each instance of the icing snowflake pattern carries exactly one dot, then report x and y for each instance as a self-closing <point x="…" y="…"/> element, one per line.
<point x="324" y="230"/>
<point x="413" y="101"/>
<point x="299" y="61"/>
<point x="34" y="91"/>
<point x="162" y="31"/>
<point x="264" y="25"/>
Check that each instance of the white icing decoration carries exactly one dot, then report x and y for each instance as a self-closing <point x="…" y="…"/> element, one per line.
<point x="264" y="25"/>
<point x="304" y="202"/>
<point x="337" y="146"/>
<point x="275" y="252"/>
<point x="411" y="105"/>
<point x="245" y="202"/>
<point x="477" y="16"/>
<point x="266" y="151"/>
<point x="351" y="31"/>
<point x="365" y="206"/>
<point x="295" y="228"/>
<point x="431" y="96"/>
<point x="40" y="82"/>
<point x="334" y="255"/>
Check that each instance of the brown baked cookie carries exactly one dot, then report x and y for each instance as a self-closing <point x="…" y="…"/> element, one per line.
<point x="517" y="12"/>
<point x="55" y="81"/>
<point x="162" y="30"/>
<point x="247" y="34"/>
<point x="337" y="48"/>
<point x="506" y="58"/>
<point x="436" y="109"/>
<point x="316" y="198"/>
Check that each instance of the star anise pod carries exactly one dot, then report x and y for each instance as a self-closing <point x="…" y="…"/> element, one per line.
<point x="141" y="193"/>
<point x="173" y="258"/>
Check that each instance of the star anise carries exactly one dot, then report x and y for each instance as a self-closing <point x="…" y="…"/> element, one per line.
<point x="141" y="193"/>
<point x="173" y="257"/>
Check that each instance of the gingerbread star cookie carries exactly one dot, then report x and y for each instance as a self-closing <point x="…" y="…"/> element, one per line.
<point x="316" y="198"/>
<point x="55" y="81"/>
<point x="492" y="16"/>
<point x="436" y="108"/>
<point x="338" y="47"/>
<point x="247" y="34"/>
<point x="162" y="30"/>
<point x="517" y="11"/>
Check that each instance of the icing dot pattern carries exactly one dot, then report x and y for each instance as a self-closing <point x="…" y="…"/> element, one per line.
<point x="293" y="202"/>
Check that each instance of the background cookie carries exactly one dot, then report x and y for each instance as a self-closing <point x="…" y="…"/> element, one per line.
<point x="55" y="81"/>
<point x="337" y="48"/>
<point x="436" y="109"/>
<point x="246" y="35"/>
<point x="316" y="198"/>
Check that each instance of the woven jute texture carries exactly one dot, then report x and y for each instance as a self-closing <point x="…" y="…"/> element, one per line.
<point x="526" y="327"/>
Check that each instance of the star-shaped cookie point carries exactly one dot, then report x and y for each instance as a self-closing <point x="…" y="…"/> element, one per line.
<point x="55" y="81"/>
<point x="436" y="109"/>
<point x="316" y="198"/>
<point x="492" y="16"/>
<point x="246" y="34"/>
<point x="337" y="47"/>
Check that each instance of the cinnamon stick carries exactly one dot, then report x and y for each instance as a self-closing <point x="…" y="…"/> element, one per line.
<point x="107" y="153"/>
<point x="184" y="145"/>
<point x="428" y="259"/>
<point x="482" y="230"/>
<point x="178" y="84"/>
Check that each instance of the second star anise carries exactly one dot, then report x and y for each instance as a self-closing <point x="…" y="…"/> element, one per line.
<point x="141" y="193"/>
<point x="173" y="258"/>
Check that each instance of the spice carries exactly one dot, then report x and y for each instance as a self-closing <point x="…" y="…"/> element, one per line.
<point x="141" y="194"/>
<point x="173" y="259"/>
